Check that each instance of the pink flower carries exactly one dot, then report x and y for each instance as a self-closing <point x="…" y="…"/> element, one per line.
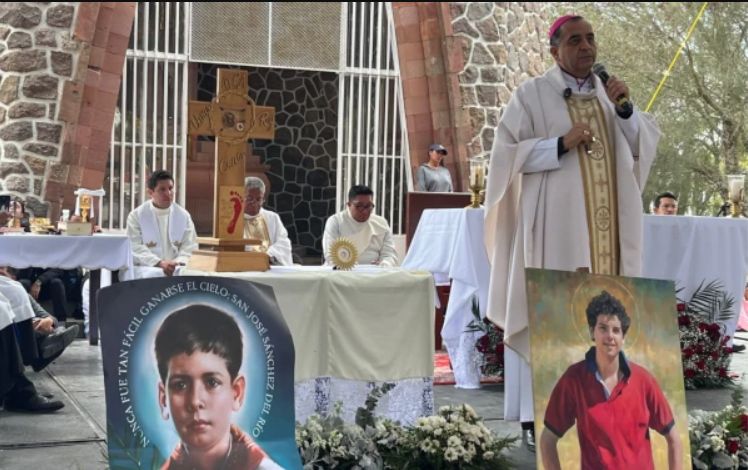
<point x="690" y="373"/>
<point x="681" y="307"/>
<point x="683" y="320"/>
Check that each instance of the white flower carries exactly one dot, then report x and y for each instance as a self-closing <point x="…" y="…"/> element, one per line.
<point x="488" y="455"/>
<point x="450" y="455"/>
<point x="716" y="443"/>
<point x="454" y="441"/>
<point x="426" y="446"/>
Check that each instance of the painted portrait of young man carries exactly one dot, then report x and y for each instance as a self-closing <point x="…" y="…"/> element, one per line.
<point x="608" y="386"/>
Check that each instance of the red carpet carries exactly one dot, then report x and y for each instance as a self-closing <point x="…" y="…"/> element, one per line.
<point x="443" y="374"/>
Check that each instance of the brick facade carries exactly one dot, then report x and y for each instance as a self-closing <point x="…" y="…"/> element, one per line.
<point x="60" y="66"/>
<point x="430" y="61"/>
<point x="459" y="64"/>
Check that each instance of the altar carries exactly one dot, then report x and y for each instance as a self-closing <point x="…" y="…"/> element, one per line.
<point x="355" y="329"/>
<point x="694" y="250"/>
<point x="687" y="250"/>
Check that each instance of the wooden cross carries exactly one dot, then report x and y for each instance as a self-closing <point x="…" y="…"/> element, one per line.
<point x="233" y="118"/>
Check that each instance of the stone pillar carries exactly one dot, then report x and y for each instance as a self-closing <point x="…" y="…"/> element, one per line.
<point x="502" y="44"/>
<point x="459" y="64"/>
<point x="60" y="68"/>
<point x="428" y="67"/>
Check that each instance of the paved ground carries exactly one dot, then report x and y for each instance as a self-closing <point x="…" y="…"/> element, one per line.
<point x="74" y="438"/>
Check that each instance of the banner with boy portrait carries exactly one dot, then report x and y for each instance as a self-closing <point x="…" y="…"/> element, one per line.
<point x="197" y="370"/>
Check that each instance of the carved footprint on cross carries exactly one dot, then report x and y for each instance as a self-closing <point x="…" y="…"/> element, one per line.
<point x="235" y="199"/>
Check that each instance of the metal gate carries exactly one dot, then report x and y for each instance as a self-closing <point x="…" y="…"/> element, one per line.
<point x="149" y="131"/>
<point x="150" y="125"/>
<point x="372" y="137"/>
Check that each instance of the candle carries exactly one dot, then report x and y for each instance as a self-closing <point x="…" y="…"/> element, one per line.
<point x="477" y="179"/>
<point x="735" y="186"/>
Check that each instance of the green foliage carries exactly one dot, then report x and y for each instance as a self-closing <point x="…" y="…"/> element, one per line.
<point x="126" y="453"/>
<point x="703" y="108"/>
<point x="712" y="302"/>
<point x="365" y="414"/>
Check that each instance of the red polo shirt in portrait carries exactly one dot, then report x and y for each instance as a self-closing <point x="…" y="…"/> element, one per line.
<point x="613" y="431"/>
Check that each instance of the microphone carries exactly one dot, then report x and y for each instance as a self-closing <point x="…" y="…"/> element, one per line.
<point x="567" y="93"/>
<point x="622" y="101"/>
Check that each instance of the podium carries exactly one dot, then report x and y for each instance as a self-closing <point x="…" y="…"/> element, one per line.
<point x="418" y="201"/>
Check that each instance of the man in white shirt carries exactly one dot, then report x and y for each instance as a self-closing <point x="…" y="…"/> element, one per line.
<point x="264" y="225"/>
<point x="161" y="232"/>
<point x="369" y="233"/>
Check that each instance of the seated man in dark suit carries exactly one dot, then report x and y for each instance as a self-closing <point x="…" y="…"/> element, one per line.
<point x="50" y="338"/>
<point x="57" y="285"/>
<point x="17" y="392"/>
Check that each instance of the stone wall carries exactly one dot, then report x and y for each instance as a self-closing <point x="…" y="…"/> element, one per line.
<point x="60" y="72"/>
<point x="302" y="157"/>
<point x="37" y="53"/>
<point x="504" y="44"/>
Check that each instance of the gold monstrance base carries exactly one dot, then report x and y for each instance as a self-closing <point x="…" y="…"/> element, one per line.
<point x="223" y="255"/>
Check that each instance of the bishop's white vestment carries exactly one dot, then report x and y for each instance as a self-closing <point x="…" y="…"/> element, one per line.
<point x="537" y="203"/>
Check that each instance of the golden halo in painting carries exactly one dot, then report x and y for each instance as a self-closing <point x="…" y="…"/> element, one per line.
<point x="343" y="254"/>
<point x="594" y="286"/>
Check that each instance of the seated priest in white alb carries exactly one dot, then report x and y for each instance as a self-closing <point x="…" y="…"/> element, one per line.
<point x="264" y="225"/>
<point x="161" y="232"/>
<point x="369" y="233"/>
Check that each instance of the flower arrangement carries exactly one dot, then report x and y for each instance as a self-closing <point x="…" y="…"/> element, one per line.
<point x="490" y="345"/>
<point x="704" y="350"/>
<point x="455" y="438"/>
<point x="719" y="439"/>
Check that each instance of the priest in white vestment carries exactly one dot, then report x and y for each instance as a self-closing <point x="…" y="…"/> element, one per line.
<point x="567" y="169"/>
<point x="369" y="233"/>
<point x="264" y="225"/>
<point x="161" y="232"/>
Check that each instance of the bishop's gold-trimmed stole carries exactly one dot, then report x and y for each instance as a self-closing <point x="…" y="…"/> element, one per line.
<point x="598" y="166"/>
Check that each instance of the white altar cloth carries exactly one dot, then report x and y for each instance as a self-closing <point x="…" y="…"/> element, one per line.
<point x="691" y="250"/>
<point x="449" y="244"/>
<point x="98" y="251"/>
